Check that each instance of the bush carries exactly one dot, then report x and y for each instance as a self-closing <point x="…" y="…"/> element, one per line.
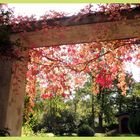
<point x="85" y="130"/>
<point x="112" y="127"/>
<point x="58" y="124"/>
<point x="37" y="128"/>
<point x="85" y="120"/>
<point x="67" y="123"/>
<point x="134" y="123"/>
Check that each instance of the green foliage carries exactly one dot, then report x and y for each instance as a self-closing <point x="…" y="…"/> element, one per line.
<point x="136" y="89"/>
<point x="7" y="47"/>
<point x="86" y="119"/>
<point x="134" y="123"/>
<point x="64" y="116"/>
<point x="112" y="127"/>
<point x="85" y="130"/>
<point x="5" y="43"/>
<point x="27" y="131"/>
<point x="64" y="122"/>
<point x="68" y="122"/>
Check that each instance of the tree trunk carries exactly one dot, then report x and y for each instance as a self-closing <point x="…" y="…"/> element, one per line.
<point x="93" y="112"/>
<point x="120" y="103"/>
<point x="101" y="98"/>
<point x="75" y="108"/>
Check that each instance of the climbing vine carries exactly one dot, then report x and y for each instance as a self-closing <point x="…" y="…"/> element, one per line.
<point x="58" y="69"/>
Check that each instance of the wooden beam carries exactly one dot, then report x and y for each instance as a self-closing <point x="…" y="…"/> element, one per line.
<point x="86" y="33"/>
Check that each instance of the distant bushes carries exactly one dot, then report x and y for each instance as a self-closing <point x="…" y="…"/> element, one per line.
<point x="85" y="130"/>
<point x="112" y="127"/>
<point x="61" y="123"/>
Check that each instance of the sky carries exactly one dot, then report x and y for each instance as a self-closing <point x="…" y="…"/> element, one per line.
<point x="40" y="9"/>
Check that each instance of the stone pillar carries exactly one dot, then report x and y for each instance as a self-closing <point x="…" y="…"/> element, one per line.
<point x="12" y="91"/>
<point x="5" y="83"/>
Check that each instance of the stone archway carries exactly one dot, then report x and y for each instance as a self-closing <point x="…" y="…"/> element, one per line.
<point x="123" y="122"/>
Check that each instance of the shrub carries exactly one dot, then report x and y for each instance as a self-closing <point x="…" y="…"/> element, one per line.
<point x="112" y="127"/>
<point x="134" y="123"/>
<point x="58" y="124"/>
<point x="67" y="122"/>
<point x="37" y="128"/>
<point x="85" y="130"/>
